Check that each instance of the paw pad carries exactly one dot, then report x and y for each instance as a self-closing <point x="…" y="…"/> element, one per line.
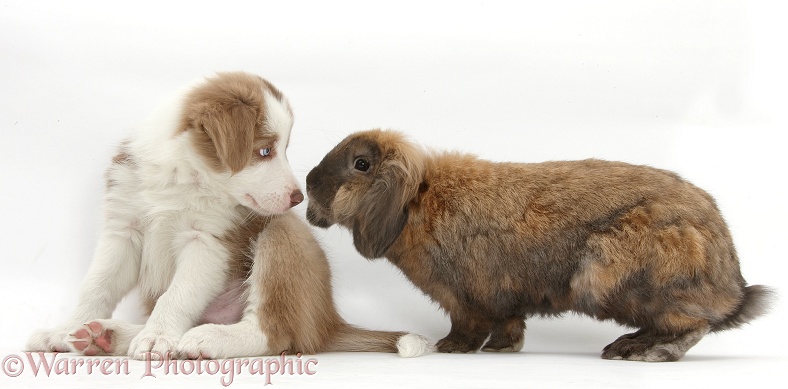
<point x="92" y="339"/>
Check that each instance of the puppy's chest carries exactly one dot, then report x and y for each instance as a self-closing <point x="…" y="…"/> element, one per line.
<point x="181" y="202"/>
<point x="177" y="216"/>
<point x="183" y="211"/>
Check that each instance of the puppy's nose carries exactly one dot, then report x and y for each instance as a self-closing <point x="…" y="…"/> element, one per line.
<point x="296" y="198"/>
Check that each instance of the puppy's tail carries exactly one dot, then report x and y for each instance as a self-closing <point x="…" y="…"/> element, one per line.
<point x="756" y="302"/>
<point x="350" y="338"/>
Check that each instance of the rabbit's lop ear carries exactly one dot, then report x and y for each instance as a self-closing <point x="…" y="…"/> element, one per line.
<point x="383" y="210"/>
<point x="382" y="219"/>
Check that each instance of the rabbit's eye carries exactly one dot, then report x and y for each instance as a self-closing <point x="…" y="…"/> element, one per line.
<point x="361" y="164"/>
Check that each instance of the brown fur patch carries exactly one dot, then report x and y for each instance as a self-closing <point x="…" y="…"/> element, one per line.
<point x="296" y="318"/>
<point x="677" y="323"/>
<point x="240" y="242"/>
<point x="297" y="311"/>
<point x="350" y="338"/>
<point x="122" y="157"/>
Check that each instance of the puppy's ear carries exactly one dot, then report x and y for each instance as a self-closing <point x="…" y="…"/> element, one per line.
<point x="231" y="129"/>
<point x="382" y="218"/>
<point x="383" y="209"/>
<point x="223" y="114"/>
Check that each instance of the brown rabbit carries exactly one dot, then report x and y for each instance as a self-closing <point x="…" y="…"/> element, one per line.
<point x="496" y="243"/>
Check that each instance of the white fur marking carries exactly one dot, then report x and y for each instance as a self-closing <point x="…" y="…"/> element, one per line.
<point x="412" y="345"/>
<point x="278" y="118"/>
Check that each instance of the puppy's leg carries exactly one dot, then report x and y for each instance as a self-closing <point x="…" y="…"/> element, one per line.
<point x="112" y="273"/>
<point x="200" y="275"/>
<point x="650" y="345"/>
<point x="218" y="341"/>
<point x="468" y="332"/>
<point x="104" y="337"/>
<point x="506" y="336"/>
<point x="242" y="339"/>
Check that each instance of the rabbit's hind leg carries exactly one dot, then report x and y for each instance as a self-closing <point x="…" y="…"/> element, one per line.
<point x="649" y="345"/>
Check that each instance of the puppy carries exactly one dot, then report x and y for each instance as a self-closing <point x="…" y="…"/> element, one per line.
<point x="496" y="243"/>
<point x="196" y="217"/>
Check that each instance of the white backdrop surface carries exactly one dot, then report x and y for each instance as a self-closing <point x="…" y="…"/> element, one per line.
<point x="693" y="86"/>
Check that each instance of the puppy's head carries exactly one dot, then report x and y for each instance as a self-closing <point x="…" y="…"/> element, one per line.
<point x="239" y="124"/>
<point x="365" y="184"/>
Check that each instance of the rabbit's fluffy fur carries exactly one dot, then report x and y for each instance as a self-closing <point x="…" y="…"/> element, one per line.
<point x="496" y="243"/>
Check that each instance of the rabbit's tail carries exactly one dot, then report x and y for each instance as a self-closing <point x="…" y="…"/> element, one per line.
<point x="756" y="302"/>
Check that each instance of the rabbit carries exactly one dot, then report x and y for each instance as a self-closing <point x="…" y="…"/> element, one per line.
<point x="496" y="243"/>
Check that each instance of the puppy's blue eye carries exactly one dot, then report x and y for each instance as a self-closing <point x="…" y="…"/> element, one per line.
<point x="265" y="152"/>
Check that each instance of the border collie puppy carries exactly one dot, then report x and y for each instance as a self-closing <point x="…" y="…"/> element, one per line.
<point x="197" y="218"/>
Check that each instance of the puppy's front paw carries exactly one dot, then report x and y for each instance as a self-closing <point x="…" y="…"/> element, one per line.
<point x="91" y="339"/>
<point x="153" y="344"/>
<point x="49" y="341"/>
<point x="204" y="341"/>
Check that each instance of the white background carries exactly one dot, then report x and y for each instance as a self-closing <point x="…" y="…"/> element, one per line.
<point x="698" y="87"/>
